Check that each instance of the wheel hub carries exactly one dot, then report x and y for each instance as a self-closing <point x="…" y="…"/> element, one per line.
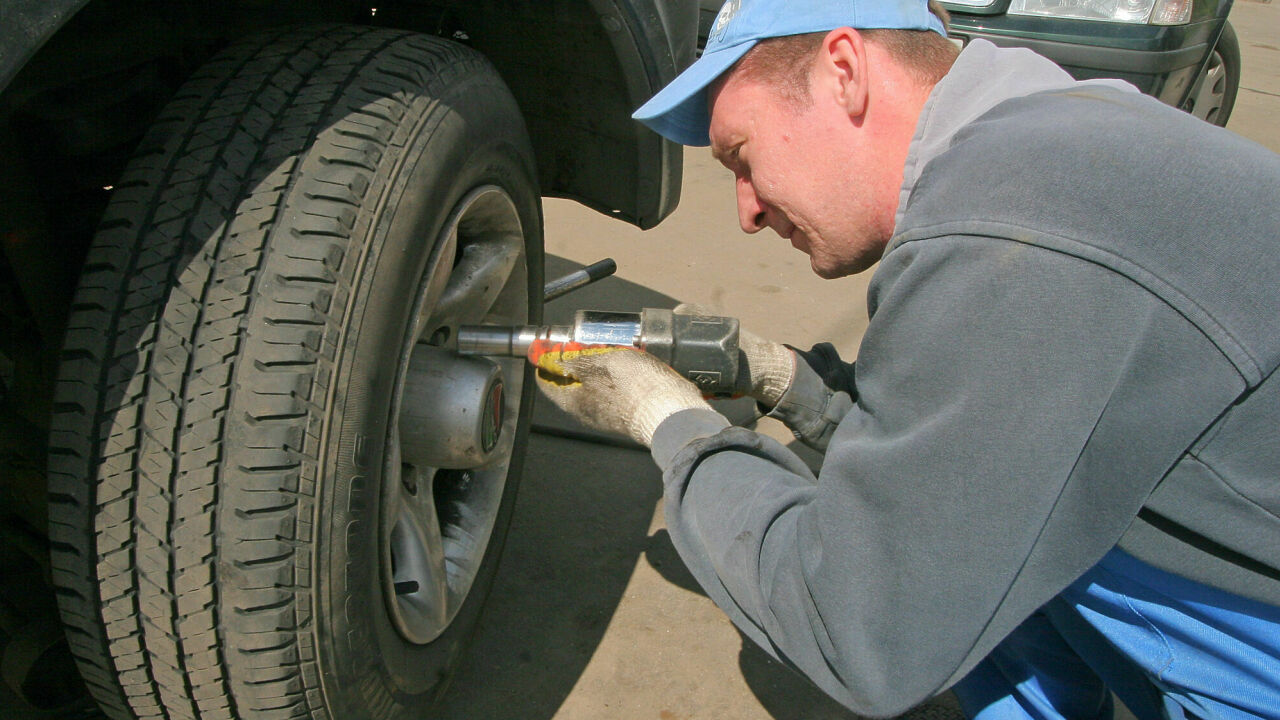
<point x="452" y="410"/>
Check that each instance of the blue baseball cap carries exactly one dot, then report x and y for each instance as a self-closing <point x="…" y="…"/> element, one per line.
<point x="679" y="111"/>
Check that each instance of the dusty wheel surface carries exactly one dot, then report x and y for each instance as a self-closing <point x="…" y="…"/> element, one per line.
<point x="275" y="490"/>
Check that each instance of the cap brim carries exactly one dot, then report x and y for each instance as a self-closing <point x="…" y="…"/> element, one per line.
<point x="679" y="111"/>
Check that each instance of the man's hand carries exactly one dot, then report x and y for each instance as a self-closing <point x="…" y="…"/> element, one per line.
<point x="618" y="390"/>
<point x="765" y="369"/>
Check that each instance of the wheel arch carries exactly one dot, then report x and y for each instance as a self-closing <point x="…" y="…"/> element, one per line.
<point x="578" y="99"/>
<point x="1217" y="15"/>
<point x="577" y="68"/>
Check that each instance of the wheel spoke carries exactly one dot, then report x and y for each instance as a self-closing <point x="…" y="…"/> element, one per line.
<point x="1208" y="92"/>
<point x="434" y="284"/>
<point x="418" y="576"/>
<point x="479" y="277"/>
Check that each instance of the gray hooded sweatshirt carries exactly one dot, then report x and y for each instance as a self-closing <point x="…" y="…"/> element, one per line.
<point x="1072" y="346"/>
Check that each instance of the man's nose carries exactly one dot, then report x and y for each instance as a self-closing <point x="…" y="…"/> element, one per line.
<point x="751" y="211"/>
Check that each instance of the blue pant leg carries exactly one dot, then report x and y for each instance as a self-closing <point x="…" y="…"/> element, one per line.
<point x="1121" y="675"/>
<point x="1033" y="673"/>
<point x="1167" y="646"/>
<point x="1211" y="654"/>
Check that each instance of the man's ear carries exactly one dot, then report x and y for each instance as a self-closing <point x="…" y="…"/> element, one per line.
<point x="842" y="70"/>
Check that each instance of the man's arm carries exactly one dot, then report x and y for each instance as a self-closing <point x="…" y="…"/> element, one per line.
<point x="1014" y="407"/>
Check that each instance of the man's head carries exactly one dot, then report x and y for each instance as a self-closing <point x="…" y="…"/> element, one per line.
<point x="813" y="117"/>
<point x="679" y="111"/>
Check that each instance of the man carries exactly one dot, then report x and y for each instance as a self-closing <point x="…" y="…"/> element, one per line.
<point x="1054" y="470"/>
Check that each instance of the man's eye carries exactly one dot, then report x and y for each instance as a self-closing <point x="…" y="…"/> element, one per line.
<point x="730" y="158"/>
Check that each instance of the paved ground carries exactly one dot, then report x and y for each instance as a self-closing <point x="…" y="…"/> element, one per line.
<point x="1257" y="111"/>
<point x="595" y="617"/>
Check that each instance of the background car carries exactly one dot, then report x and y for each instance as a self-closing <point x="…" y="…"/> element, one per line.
<point x="1183" y="52"/>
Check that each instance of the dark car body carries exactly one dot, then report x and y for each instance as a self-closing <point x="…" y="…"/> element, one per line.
<point x="307" y="103"/>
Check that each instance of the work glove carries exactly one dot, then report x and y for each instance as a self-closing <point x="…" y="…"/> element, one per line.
<point x="766" y="369"/>
<point x="618" y="390"/>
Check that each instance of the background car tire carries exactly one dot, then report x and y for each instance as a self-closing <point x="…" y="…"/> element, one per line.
<point x="279" y="270"/>
<point x="1213" y="95"/>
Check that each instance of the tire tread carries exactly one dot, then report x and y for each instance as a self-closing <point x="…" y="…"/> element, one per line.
<point x="165" y="441"/>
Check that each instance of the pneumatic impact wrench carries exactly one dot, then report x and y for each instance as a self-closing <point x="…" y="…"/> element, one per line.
<point x="703" y="349"/>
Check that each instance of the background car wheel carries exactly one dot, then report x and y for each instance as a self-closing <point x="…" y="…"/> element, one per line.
<point x="1214" y="93"/>
<point x="275" y="492"/>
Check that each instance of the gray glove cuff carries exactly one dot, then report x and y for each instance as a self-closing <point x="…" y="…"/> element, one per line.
<point x="811" y="409"/>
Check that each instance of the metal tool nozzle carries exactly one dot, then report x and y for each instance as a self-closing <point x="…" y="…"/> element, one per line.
<point x="508" y="341"/>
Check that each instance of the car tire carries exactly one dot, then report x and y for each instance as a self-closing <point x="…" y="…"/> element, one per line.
<point x="1213" y="94"/>
<point x="274" y="490"/>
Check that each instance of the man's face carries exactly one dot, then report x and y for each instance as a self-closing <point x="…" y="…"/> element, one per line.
<point x="796" y="172"/>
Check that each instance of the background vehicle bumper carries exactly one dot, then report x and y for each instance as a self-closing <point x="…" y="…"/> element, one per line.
<point x="1159" y="61"/>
